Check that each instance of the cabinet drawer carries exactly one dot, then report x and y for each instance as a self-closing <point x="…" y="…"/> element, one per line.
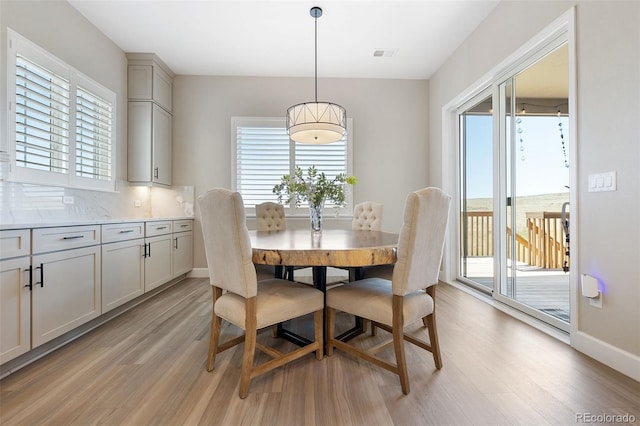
<point x="122" y="232"/>
<point x="15" y="243"/>
<point x="182" y="225"/>
<point x="65" y="237"/>
<point x="158" y="228"/>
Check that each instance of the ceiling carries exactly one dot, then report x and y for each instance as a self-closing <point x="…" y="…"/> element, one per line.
<point x="276" y="38"/>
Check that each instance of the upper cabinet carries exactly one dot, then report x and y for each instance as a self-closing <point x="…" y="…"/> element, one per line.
<point x="150" y="84"/>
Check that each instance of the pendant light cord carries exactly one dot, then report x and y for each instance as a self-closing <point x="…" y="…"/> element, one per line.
<point x="316" y="56"/>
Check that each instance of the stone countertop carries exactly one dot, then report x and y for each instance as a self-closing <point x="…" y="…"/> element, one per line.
<point x="79" y="222"/>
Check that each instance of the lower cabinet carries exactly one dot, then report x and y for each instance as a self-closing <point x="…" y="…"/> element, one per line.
<point x="157" y="263"/>
<point x="182" y="247"/>
<point x="122" y="272"/>
<point x="66" y="292"/>
<point x="15" y="308"/>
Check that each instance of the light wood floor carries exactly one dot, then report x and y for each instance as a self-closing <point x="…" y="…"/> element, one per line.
<point x="147" y="367"/>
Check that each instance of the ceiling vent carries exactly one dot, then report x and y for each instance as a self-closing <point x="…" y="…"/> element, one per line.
<point x="384" y="53"/>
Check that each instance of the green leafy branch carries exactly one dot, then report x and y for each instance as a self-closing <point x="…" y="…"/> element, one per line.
<point x="315" y="188"/>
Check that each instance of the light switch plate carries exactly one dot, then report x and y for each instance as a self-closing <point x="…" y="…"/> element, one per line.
<point x="600" y="182"/>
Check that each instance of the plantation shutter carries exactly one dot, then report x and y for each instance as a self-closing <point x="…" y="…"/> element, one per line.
<point x="42" y="118"/>
<point x="328" y="158"/>
<point x="94" y="123"/>
<point x="262" y="158"/>
<point x="264" y="153"/>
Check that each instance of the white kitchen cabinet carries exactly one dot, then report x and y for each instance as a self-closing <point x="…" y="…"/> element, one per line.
<point x="158" y="265"/>
<point x="122" y="263"/>
<point x="15" y="297"/>
<point x="149" y="148"/>
<point x="182" y="247"/>
<point x="66" y="283"/>
<point x="149" y="84"/>
<point x="149" y="79"/>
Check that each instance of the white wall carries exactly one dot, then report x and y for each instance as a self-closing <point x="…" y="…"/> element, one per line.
<point x="390" y="124"/>
<point x="608" y="138"/>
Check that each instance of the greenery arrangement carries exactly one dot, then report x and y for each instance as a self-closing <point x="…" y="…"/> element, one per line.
<point x="316" y="188"/>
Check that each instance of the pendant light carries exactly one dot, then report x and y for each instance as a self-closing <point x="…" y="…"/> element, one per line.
<point x="316" y="122"/>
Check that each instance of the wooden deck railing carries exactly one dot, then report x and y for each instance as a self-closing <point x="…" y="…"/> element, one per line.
<point x="546" y="239"/>
<point x="543" y="246"/>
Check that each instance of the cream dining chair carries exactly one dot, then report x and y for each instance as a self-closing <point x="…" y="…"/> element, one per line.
<point x="270" y="216"/>
<point x="367" y="216"/>
<point x="409" y="296"/>
<point x="244" y="303"/>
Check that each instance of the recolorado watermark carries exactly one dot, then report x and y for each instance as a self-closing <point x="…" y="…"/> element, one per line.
<point x="604" y="418"/>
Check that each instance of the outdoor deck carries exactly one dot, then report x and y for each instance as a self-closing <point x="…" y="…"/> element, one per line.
<point x="544" y="289"/>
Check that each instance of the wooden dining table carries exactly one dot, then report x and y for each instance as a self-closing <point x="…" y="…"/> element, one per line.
<point x="343" y="248"/>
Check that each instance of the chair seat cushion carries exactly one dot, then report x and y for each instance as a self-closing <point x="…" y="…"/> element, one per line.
<point x="372" y="298"/>
<point x="277" y="301"/>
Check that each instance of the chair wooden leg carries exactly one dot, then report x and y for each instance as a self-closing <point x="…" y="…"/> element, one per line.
<point x="331" y="322"/>
<point x="214" y="337"/>
<point x="433" y="338"/>
<point x="249" y="346"/>
<point x="398" y="343"/>
<point x="317" y="324"/>
<point x="430" y="322"/>
<point x="374" y="329"/>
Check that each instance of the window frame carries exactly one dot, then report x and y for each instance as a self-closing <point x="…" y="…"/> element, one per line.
<point x="19" y="45"/>
<point x="280" y="122"/>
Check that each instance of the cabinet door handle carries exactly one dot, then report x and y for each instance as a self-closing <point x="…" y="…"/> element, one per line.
<point x="128" y="231"/>
<point x="30" y="284"/>
<point x="155" y="172"/>
<point x="73" y="237"/>
<point x="161" y="227"/>
<point x="183" y="225"/>
<point x="149" y="249"/>
<point x="41" y="267"/>
<point x="144" y="253"/>
<point x="176" y="243"/>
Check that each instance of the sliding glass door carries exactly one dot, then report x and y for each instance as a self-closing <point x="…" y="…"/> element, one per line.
<point x="475" y="128"/>
<point x="514" y="187"/>
<point x="534" y="126"/>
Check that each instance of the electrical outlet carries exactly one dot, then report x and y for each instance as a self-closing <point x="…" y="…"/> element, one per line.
<point x="137" y="203"/>
<point x="596" y="302"/>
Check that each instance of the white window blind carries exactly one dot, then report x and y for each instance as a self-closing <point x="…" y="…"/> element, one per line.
<point x="93" y="135"/>
<point x="264" y="153"/>
<point x="62" y="122"/>
<point x="42" y="118"/>
<point x="262" y="159"/>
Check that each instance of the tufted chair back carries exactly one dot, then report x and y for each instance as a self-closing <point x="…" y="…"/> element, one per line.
<point x="270" y="217"/>
<point x="367" y="216"/>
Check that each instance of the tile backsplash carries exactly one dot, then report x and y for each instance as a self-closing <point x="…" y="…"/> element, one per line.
<point x="24" y="203"/>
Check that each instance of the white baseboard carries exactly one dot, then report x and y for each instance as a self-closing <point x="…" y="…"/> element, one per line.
<point x="616" y="358"/>
<point x="198" y="273"/>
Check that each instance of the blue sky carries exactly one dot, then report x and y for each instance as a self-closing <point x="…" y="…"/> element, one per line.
<point x="543" y="169"/>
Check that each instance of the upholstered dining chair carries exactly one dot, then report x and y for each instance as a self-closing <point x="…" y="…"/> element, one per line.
<point x="237" y="297"/>
<point x="270" y="216"/>
<point x="367" y="216"/>
<point x="409" y="296"/>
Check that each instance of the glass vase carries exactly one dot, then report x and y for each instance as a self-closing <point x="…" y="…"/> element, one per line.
<point x="315" y="214"/>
